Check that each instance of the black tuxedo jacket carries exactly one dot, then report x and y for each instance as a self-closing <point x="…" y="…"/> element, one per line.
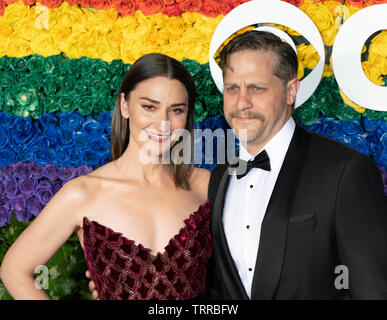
<point x="327" y="209"/>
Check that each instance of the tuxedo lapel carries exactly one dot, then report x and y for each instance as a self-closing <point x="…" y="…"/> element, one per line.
<point x="228" y="274"/>
<point x="274" y="226"/>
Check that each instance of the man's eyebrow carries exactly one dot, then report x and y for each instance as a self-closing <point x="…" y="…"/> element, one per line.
<point x="150" y="100"/>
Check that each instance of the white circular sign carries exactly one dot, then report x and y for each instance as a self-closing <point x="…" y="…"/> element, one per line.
<point x="270" y="11"/>
<point x="346" y="57"/>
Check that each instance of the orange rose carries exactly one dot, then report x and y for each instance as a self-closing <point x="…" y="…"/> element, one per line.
<point x="357" y="3"/>
<point x="226" y="7"/>
<point x="72" y="2"/>
<point x="101" y="4"/>
<point x="2" y="7"/>
<point x="125" y="7"/>
<point x="296" y="3"/>
<point x="149" y="7"/>
<point x="169" y="2"/>
<point x="210" y="8"/>
<point x="52" y="3"/>
<point x="29" y="2"/>
<point x="84" y="3"/>
<point x="8" y="2"/>
<point x="190" y="5"/>
<point x="172" y="10"/>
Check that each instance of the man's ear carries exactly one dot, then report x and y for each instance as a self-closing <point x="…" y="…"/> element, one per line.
<point x="292" y="89"/>
<point x="124" y="106"/>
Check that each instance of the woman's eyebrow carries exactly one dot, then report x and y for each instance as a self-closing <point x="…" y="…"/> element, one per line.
<point x="150" y="100"/>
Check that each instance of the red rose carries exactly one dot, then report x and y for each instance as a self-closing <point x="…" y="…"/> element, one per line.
<point x="226" y="6"/>
<point x="210" y="8"/>
<point x="149" y="7"/>
<point x="2" y="7"/>
<point x="357" y="3"/>
<point x="101" y="4"/>
<point x="52" y="3"/>
<point x="29" y="2"/>
<point x="84" y="3"/>
<point x="125" y="7"/>
<point x="297" y="3"/>
<point x="190" y="5"/>
<point x="173" y="10"/>
<point x="372" y="2"/>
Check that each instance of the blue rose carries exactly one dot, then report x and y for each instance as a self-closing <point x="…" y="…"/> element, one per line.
<point x="39" y="143"/>
<point x="22" y="131"/>
<point x="82" y="140"/>
<point x="100" y="144"/>
<point x="61" y="156"/>
<point x="352" y="127"/>
<point x="72" y="121"/>
<point x="92" y="127"/>
<point x="66" y="136"/>
<point x="75" y="158"/>
<point x="7" y="156"/>
<point x="371" y="125"/>
<point x="331" y="128"/>
<point x="52" y="135"/>
<point x="6" y="120"/>
<point x="4" y="137"/>
<point x="359" y="143"/>
<point x="49" y="120"/>
<point x="90" y="157"/>
<point x="43" y="156"/>
<point x="105" y="119"/>
<point x="23" y="152"/>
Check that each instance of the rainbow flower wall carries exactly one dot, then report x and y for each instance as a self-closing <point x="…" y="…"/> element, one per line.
<point x="62" y="62"/>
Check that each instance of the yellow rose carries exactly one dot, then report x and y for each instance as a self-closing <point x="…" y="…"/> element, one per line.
<point x="18" y="47"/>
<point x="26" y="29"/>
<point x="352" y="104"/>
<point x="379" y="44"/>
<point x="60" y="34"/>
<point x="334" y="7"/>
<point x="175" y="25"/>
<point x="328" y="70"/>
<point x="5" y="32"/>
<point x="308" y="55"/>
<point x="127" y="54"/>
<point x="329" y="35"/>
<point x="15" y="12"/>
<point x="372" y="71"/>
<point x="320" y="15"/>
<point x="45" y="45"/>
<point x="300" y="71"/>
<point x="352" y="9"/>
<point x="142" y="26"/>
<point x="125" y="24"/>
<point x="72" y="16"/>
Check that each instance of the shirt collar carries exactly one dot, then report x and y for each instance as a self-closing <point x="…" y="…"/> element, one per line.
<point x="276" y="147"/>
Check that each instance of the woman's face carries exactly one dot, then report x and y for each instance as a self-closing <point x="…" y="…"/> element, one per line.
<point x="157" y="107"/>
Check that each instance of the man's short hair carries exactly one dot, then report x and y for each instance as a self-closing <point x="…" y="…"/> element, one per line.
<point x="286" y="62"/>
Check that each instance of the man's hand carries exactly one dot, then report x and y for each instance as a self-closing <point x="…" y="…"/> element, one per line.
<point x="92" y="289"/>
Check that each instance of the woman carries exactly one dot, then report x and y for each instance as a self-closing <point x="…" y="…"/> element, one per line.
<point x="143" y="223"/>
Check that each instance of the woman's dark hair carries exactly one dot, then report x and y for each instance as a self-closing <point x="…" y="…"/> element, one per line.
<point x="147" y="67"/>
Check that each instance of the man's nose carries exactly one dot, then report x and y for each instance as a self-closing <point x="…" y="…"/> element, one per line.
<point x="243" y="99"/>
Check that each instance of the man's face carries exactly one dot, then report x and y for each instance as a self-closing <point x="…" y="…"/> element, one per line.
<point x="254" y="99"/>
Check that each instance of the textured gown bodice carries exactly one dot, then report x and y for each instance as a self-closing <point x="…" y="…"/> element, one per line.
<point x="122" y="269"/>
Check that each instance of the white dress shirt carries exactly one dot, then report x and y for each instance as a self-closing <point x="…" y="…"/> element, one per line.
<point x="246" y="202"/>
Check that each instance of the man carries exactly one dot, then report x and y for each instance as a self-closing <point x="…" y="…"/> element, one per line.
<point x="308" y="218"/>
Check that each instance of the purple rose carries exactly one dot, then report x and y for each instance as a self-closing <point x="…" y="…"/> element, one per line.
<point x="22" y="170"/>
<point x="8" y="170"/>
<point x="11" y="188"/>
<point x="1" y="187"/>
<point x="5" y="212"/>
<point x="82" y="170"/>
<point x="44" y="192"/>
<point x="36" y="171"/>
<point x="34" y="206"/>
<point x="19" y="205"/>
<point x="27" y="186"/>
<point x="57" y="186"/>
<point x="50" y="172"/>
<point x="66" y="173"/>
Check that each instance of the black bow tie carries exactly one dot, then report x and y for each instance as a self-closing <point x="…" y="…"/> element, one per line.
<point x="261" y="161"/>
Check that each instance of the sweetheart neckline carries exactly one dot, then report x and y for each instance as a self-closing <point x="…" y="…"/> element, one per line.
<point x="139" y="244"/>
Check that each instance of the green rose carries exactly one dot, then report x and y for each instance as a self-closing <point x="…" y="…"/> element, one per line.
<point x="200" y="113"/>
<point x="100" y="70"/>
<point x="7" y="79"/>
<point x="18" y="64"/>
<point x="193" y="66"/>
<point x="307" y="114"/>
<point x="50" y="104"/>
<point x="35" y="63"/>
<point x="67" y="103"/>
<point x="116" y="67"/>
<point x="27" y="99"/>
<point x="85" y="105"/>
<point x="346" y="113"/>
<point x="50" y="85"/>
<point x="71" y="67"/>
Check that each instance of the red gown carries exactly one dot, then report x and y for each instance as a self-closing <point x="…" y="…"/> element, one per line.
<point x="122" y="269"/>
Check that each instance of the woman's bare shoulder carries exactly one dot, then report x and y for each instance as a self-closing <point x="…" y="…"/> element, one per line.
<point x="199" y="181"/>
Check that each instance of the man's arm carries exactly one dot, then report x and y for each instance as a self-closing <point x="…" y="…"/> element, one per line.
<point x="361" y="228"/>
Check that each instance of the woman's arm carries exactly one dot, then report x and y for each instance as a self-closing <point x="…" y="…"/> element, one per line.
<point x="41" y="240"/>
